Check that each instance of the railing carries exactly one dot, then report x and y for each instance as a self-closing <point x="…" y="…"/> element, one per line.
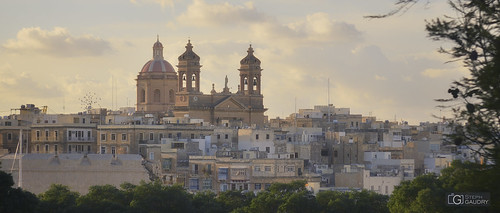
<point x="81" y="139"/>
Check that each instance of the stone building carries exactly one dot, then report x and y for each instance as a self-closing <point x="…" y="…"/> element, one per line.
<point x="78" y="171"/>
<point x="156" y="84"/>
<point x="162" y="91"/>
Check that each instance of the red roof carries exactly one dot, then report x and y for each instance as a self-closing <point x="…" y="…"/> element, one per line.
<point x="157" y="66"/>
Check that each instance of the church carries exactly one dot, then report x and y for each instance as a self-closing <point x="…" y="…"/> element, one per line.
<point x="166" y="93"/>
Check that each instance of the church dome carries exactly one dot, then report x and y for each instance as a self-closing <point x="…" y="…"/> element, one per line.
<point x="157" y="64"/>
<point x="250" y="59"/>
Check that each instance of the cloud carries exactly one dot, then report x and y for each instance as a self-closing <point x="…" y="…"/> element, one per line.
<point x="162" y="3"/>
<point x="438" y="73"/>
<point x="58" y="42"/>
<point x="21" y="84"/>
<point x="380" y="78"/>
<point x="314" y="29"/>
<point x="320" y="27"/>
<point x="202" y="14"/>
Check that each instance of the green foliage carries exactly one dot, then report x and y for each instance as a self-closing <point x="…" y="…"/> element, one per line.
<point x="57" y="198"/>
<point x="423" y="194"/>
<point x="105" y="198"/>
<point x="473" y="30"/>
<point x="13" y="200"/>
<point x="206" y="202"/>
<point x="232" y="200"/>
<point x="364" y="201"/>
<point x="428" y="193"/>
<point x="155" y="197"/>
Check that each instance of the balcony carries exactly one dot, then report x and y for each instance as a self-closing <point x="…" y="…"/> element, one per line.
<point x="82" y="139"/>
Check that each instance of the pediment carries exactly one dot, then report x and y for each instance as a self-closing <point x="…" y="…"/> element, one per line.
<point x="230" y="104"/>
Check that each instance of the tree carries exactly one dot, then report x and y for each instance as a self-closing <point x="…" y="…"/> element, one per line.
<point x="13" y="200"/>
<point x="475" y="36"/>
<point x="364" y="201"/>
<point x="58" y="198"/>
<point x="284" y="197"/>
<point x="105" y="198"/>
<point x="423" y="194"/>
<point x="474" y="32"/>
<point x="155" y="197"/>
<point x="232" y="200"/>
<point x="206" y="202"/>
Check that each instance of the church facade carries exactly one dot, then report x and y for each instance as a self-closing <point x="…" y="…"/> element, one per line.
<point x="162" y="91"/>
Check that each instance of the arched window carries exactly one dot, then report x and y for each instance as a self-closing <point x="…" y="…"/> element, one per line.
<point x="142" y="96"/>
<point x="156" y="96"/>
<point x="254" y="83"/>
<point x="171" y="96"/>
<point x="245" y="83"/>
<point x="183" y="80"/>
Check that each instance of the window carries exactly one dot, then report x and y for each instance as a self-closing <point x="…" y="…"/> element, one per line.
<point x="226" y="136"/>
<point x="83" y="120"/>
<point x="141" y="136"/>
<point x="55" y="148"/>
<point x="76" y="120"/>
<point x="88" y="149"/>
<point x="193" y="184"/>
<point x="267" y="136"/>
<point x="37" y="148"/>
<point x="256" y="168"/>
<point x="207" y="184"/>
<point x="151" y="155"/>
<point x="103" y="137"/>
<point x="171" y="96"/>
<point x="267" y="168"/>
<point x="56" y="135"/>
<point x="268" y="149"/>
<point x="256" y="136"/>
<point x="124" y="137"/>
<point x="218" y="136"/>
<point x="290" y="169"/>
<point x="209" y="169"/>
<point x="169" y="135"/>
<point x="88" y="134"/>
<point x="38" y="135"/>
<point x="151" y="136"/>
<point x="46" y="148"/>
<point x="8" y="123"/>
<point x="69" y="148"/>
<point x="113" y="150"/>
<point x="113" y="137"/>
<point x="257" y="186"/>
<point x="103" y="150"/>
<point x="195" y="168"/>
<point x="9" y="136"/>
<point x="161" y="136"/>
<point x="142" y="96"/>
<point x="46" y="121"/>
<point x="192" y="136"/>
<point x="156" y="96"/>
<point x="267" y="185"/>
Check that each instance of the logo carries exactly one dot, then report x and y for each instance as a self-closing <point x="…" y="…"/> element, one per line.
<point x="468" y="199"/>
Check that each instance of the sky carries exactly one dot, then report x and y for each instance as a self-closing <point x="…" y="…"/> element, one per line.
<point x="54" y="53"/>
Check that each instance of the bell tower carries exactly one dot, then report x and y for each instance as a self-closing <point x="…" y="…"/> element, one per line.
<point x="189" y="71"/>
<point x="250" y="74"/>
